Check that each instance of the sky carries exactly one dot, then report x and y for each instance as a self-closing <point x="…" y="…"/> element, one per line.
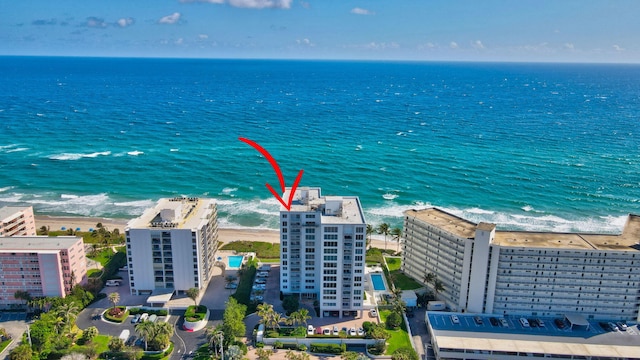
<point x="413" y="30"/>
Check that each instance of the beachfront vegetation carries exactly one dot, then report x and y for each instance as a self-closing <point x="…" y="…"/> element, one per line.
<point x="99" y="235"/>
<point x="398" y="338"/>
<point x="265" y="251"/>
<point x="374" y="255"/>
<point x="243" y="292"/>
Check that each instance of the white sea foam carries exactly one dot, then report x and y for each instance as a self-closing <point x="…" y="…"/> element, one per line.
<point x="135" y="153"/>
<point x="17" y="150"/>
<point x="389" y="196"/>
<point x="78" y="156"/>
<point x="7" y="188"/>
<point x="174" y="150"/>
<point x="229" y="190"/>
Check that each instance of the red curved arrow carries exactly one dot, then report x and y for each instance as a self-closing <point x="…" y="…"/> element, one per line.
<point x="275" y="166"/>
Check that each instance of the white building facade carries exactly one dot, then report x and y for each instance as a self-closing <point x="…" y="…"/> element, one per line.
<point x="172" y="246"/>
<point x="529" y="273"/>
<point x="322" y="250"/>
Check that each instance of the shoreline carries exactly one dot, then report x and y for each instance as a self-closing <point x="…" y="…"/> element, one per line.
<point x="225" y="235"/>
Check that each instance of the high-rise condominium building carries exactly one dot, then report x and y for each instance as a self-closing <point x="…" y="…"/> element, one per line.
<point x="322" y="250"/>
<point x="16" y="221"/>
<point x="172" y="246"/>
<point x="484" y="270"/>
<point x="41" y="266"/>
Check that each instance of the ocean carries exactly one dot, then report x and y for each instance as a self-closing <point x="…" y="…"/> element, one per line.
<point x="552" y="147"/>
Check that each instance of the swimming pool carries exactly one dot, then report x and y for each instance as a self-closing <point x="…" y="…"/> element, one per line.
<point x="378" y="282"/>
<point x="235" y="261"/>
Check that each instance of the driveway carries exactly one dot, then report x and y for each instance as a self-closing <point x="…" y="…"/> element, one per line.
<point x="421" y="337"/>
<point x="15" y="324"/>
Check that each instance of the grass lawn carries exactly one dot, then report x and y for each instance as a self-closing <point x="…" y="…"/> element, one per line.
<point x="4" y="344"/>
<point x="263" y="250"/>
<point x="374" y="255"/>
<point x="101" y="343"/>
<point x="393" y="263"/>
<point x="402" y="281"/>
<point x="399" y="338"/>
<point x="103" y="256"/>
<point x="94" y="273"/>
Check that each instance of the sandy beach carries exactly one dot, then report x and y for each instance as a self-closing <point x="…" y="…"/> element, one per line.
<point x="225" y="235"/>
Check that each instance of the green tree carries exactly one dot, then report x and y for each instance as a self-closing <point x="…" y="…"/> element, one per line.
<point x="115" y="344"/>
<point x="22" y="295"/>
<point x="352" y="355"/>
<point x="233" y="352"/>
<point x="89" y="333"/>
<point x="429" y="278"/>
<point x="22" y="352"/>
<point x="383" y="229"/>
<point x="290" y="303"/>
<point x="394" y="320"/>
<point x="233" y="318"/>
<point x="265" y="313"/>
<point x="114" y="298"/>
<point x="193" y="293"/>
<point x="396" y="234"/>
<point x="438" y="287"/>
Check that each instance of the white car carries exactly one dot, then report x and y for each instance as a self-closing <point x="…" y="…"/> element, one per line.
<point x="336" y="331"/>
<point x="352" y="331"/>
<point x="360" y="331"/>
<point x="373" y="312"/>
<point x="454" y="319"/>
<point x="310" y="330"/>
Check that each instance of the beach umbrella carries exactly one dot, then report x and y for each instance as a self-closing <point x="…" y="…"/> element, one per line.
<point x="63" y="228"/>
<point x="90" y="229"/>
<point x="77" y="229"/>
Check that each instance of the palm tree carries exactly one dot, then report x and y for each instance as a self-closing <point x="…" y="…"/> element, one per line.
<point x="193" y="293"/>
<point x="304" y="316"/>
<point x="68" y="313"/>
<point x="429" y="278"/>
<point x="384" y="229"/>
<point x="114" y="298"/>
<point x="211" y="334"/>
<point x="276" y="319"/>
<point x="370" y="231"/>
<point x="438" y="286"/>
<point x="265" y="312"/>
<point x="145" y="330"/>
<point x="396" y="232"/>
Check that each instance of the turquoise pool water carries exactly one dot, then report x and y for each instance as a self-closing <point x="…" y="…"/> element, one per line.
<point x="235" y="261"/>
<point x="378" y="282"/>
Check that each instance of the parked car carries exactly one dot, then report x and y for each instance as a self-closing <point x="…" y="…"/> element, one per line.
<point x="144" y="317"/>
<point x="454" y="319"/>
<point x="622" y="326"/>
<point x="504" y="322"/>
<point x="559" y="323"/>
<point x="326" y="331"/>
<point x="373" y="312"/>
<point x="494" y="321"/>
<point x="533" y="322"/>
<point x="524" y="322"/>
<point x="352" y="331"/>
<point x="336" y="331"/>
<point x="478" y="320"/>
<point x="540" y="322"/>
<point x="319" y="330"/>
<point x="261" y="281"/>
<point x="613" y="326"/>
<point x="135" y="319"/>
<point x="310" y="330"/>
<point x="360" y="331"/>
<point x="231" y="286"/>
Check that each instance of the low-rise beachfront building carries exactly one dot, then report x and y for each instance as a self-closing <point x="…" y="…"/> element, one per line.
<point x="41" y="266"/>
<point x="485" y="270"/>
<point x="322" y="250"/>
<point x="172" y="246"/>
<point x="17" y="221"/>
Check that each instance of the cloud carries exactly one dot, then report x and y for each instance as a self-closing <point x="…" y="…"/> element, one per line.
<point x="382" y="45"/>
<point x="251" y="4"/>
<point x="361" y="11"/>
<point x="203" y="36"/>
<point x="170" y="19"/>
<point x="618" y="48"/>
<point x="478" y="45"/>
<point x="41" y="22"/>
<point x="124" y="22"/>
<point x="305" y="42"/>
<point x="569" y="46"/>
<point x="96" y="22"/>
<point x="453" y="45"/>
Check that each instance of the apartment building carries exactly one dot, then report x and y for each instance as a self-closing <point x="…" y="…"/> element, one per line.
<point x="172" y="246"/>
<point x="17" y="221"/>
<point x="485" y="270"/>
<point x="322" y="250"/>
<point x="41" y="266"/>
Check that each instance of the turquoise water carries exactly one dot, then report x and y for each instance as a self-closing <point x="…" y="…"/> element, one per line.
<point x="378" y="282"/>
<point x="525" y="146"/>
<point x="235" y="261"/>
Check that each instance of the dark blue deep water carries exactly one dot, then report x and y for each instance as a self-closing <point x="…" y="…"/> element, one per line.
<point x="526" y="146"/>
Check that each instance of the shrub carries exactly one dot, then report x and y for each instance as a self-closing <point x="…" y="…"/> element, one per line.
<point x="290" y="304"/>
<point x="118" y="314"/>
<point x="260" y="345"/>
<point x="378" y="348"/>
<point x="405" y="353"/>
<point x="327" y="348"/>
<point x="277" y="345"/>
<point x="242" y="346"/>
<point x="367" y="325"/>
<point x="302" y="347"/>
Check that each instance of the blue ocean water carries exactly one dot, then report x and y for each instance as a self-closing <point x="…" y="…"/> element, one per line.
<point x="525" y="146"/>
